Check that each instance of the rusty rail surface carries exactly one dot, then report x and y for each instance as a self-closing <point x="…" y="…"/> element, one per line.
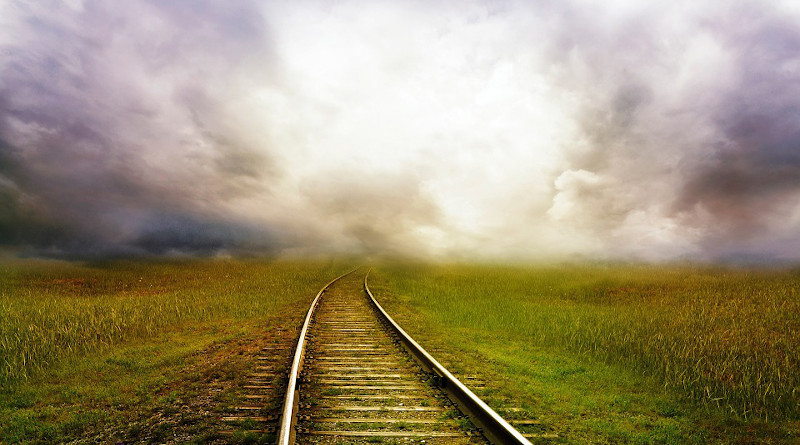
<point x="494" y="427"/>
<point x="286" y="433"/>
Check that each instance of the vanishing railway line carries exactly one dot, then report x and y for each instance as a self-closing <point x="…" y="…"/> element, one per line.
<point x="357" y="383"/>
<point x="357" y="377"/>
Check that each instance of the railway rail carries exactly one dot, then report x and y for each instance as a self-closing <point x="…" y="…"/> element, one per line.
<point x="357" y="376"/>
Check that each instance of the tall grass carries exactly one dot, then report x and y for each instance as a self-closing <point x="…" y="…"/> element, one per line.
<point x="50" y="310"/>
<point x="725" y="337"/>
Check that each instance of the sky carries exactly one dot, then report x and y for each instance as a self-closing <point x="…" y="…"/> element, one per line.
<point x="471" y="130"/>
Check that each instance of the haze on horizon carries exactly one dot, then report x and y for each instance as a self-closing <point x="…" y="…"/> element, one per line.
<point x="521" y="130"/>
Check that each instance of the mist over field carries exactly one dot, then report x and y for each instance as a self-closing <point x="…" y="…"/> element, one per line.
<point x="516" y="130"/>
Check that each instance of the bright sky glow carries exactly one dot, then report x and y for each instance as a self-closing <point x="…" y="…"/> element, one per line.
<point x="476" y="130"/>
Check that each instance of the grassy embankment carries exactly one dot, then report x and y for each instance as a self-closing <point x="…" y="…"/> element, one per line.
<point x="130" y="350"/>
<point x="618" y="354"/>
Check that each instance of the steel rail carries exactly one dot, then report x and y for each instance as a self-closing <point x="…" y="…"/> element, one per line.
<point x="286" y="432"/>
<point x="494" y="427"/>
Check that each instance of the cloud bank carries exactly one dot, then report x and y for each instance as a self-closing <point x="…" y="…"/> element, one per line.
<point x="514" y="130"/>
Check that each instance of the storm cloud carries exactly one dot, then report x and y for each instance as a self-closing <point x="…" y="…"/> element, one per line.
<point x="522" y="130"/>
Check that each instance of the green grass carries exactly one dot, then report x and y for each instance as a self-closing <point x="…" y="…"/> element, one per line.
<point x="52" y="310"/>
<point x="84" y="396"/>
<point x="138" y="351"/>
<point x="144" y="351"/>
<point x="630" y="354"/>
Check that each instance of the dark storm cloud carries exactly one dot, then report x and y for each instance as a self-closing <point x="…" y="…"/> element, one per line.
<point x="711" y="148"/>
<point x="170" y="232"/>
<point x="91" y="160"/>
<point x="751" y="179"/>
<point x="21" y="222"/>
<point x="524" y="129"/>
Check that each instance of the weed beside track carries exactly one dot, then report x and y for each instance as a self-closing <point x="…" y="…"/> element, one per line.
<point x="726" y="338"/>
<point x="141" y="352"/>
<point x="52" y="310"/>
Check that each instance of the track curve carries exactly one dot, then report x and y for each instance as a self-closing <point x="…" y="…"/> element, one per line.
<point x="356" y="378"/>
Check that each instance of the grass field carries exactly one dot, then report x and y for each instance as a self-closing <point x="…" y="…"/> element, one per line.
<point x="127" y="350"/>
<point x="147" y="351"/>
<point x="698" y="354"/>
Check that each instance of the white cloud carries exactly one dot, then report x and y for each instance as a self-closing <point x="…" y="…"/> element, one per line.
<point x="445" y="128"/>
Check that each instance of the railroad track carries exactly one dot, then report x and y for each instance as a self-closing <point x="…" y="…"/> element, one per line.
<point x="357" y="377"/>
